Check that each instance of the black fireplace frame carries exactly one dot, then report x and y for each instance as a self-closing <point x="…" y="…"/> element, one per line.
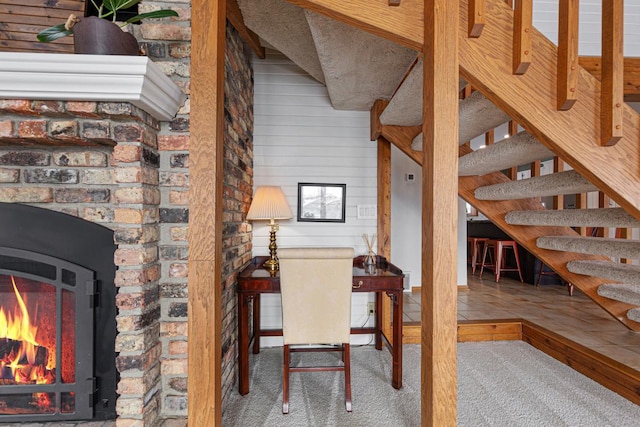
<point x="80" y="282"/>
<point x="88" y="245"/>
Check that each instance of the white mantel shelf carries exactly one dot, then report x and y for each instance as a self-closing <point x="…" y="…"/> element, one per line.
<point x="108" y="78"/>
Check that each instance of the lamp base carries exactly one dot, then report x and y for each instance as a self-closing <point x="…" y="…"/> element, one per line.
<point x="271" y="264"/>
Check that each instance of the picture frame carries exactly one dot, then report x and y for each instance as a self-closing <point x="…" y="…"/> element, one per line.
<point x="319" y="202"/>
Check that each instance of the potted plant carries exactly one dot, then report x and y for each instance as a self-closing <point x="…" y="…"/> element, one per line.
<point x="101" y="35"/>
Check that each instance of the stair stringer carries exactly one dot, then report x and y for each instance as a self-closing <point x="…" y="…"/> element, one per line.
<point x="530" y="99"/>
<point x="526" y="236"/>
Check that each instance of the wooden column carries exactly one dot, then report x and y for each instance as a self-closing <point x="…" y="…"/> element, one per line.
<point x="439" y="213"/>
<point x="208" y="27"/>
<point x="384" y="222"/>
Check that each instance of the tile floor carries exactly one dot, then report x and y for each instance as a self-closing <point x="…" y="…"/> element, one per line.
<point x="550" y="306"/>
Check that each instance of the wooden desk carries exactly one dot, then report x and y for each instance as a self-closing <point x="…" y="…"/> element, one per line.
<point x="254" y="280"/>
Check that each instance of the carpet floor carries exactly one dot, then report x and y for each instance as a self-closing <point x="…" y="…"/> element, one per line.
<point x="506" y="383"/>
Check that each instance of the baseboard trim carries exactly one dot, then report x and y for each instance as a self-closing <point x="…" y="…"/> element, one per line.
<point x="609" y="373"/>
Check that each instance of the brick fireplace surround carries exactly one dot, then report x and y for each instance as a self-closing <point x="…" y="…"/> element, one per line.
<point x="113" y="164"/>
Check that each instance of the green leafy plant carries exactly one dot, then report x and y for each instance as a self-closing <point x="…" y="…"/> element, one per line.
<point x="107" y="10"/>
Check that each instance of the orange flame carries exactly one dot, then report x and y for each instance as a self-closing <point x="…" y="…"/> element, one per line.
<point x="17" y="326"/>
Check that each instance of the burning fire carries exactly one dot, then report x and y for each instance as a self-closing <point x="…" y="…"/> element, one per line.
<point x="22" y="359"/>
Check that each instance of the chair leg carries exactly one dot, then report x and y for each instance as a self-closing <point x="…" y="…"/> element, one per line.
<point x="346" y="356"/>
<point x="515" y="253"/>
<point x="286" y="361"/>
<point x="499" y="253"/>
<point x="484" y="258"/>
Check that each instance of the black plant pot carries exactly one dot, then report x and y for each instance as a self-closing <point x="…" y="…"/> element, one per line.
<point x="97" y="36"/>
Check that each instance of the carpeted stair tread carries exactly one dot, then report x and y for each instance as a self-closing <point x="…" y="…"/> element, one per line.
<point x="341" y="46"/>
<point x="624" y="273"/>
<point x="405" y="107"/>
<point x="634" y="314"/>
<point x="519" y="149"/>
<point x="625" y="292"/>
<point x="615" y="248"/>
<point x="476" y="115"/>
<point x="605" y="217"/>
<point x="270" y="18"/>
<point x="569" y="182"/>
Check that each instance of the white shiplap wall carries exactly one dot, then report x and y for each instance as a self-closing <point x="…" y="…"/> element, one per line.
<point x="300" y="137"/>
<point x="545" y="19"/>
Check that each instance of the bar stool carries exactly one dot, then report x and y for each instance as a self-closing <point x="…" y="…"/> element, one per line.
<point x="543" y="272"/>
<point x="476" y="245"/>
<point x="499" y="257"/>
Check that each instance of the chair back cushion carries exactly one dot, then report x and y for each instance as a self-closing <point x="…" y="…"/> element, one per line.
<point x="316" y="294"/>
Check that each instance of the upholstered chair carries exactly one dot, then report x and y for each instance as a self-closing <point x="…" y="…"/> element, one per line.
<point x="316" y="309"/>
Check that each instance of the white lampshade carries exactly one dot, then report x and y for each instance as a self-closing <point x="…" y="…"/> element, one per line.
<point x="269" y="203"/>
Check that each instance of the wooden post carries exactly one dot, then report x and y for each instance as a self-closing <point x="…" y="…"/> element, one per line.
<point x="439" y="213"/>
<point x="384" y="223"/>
<point x="567" y="54"/>
<point x="612" y="92"/>
<point x="558" y="200"/>
<point x="523" y="17"/>
<point x="204" y="384"/>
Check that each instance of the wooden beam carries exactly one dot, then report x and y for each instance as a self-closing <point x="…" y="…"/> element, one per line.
<point x="593" y="64"/>
<point x="374" y="118"/>
<point x="439" y="213"/>
<point x="611" y="98"/>
<point x="477" y="17"/>
<point x="384" y="223"/>
<point x="234" y="15"/>
<point x="402" y="137"/>
<point x="567" y="53"/>
<point x="558" y="200"/>
<point x="523" y="14"/>
<point x="205" y="213"/>
<point x="401" y="24"/>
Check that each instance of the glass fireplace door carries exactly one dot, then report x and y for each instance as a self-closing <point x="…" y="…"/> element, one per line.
<point x="46" y="338"/>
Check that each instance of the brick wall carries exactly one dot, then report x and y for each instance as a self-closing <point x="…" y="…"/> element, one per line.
<point x="113" y="164"/>
<point x="173" y="143"/>
<point x="108" y="174"/>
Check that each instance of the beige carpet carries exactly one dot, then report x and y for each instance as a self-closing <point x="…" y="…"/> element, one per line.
<point x="505" y="383"/>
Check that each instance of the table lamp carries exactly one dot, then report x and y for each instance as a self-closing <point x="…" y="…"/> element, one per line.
<point x="269" y="203"/>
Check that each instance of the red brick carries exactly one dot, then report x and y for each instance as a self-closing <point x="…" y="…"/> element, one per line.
<point x="173" y="142"/>
<point x="6" y="128"/>
<point x="32" y="129"/>
<point x="26" y="195"/>
<point x="127" y="153"/>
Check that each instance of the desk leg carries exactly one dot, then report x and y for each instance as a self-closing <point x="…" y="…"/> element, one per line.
<point x="378" y="316"/>
<point x="396" y="351"/>
<point x="243" y="343"/>
<point x="256" y="324"/>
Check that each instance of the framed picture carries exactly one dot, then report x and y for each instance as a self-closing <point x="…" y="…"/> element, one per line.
<point x="321" y="202"/>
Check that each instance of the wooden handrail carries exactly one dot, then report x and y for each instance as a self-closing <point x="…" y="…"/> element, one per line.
<point x="567" y="53"/>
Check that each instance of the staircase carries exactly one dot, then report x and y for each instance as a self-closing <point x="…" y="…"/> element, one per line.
<point x="344" y="58"/>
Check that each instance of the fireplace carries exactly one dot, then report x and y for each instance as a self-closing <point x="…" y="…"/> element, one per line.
<point x="57" y="317"/>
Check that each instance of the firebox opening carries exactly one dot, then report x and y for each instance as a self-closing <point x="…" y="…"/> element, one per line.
<point x="57" y="317"/>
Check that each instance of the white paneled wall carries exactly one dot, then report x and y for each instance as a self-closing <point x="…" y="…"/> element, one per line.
<point x="299" y="137"/>
<point x="545" y="19"/>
